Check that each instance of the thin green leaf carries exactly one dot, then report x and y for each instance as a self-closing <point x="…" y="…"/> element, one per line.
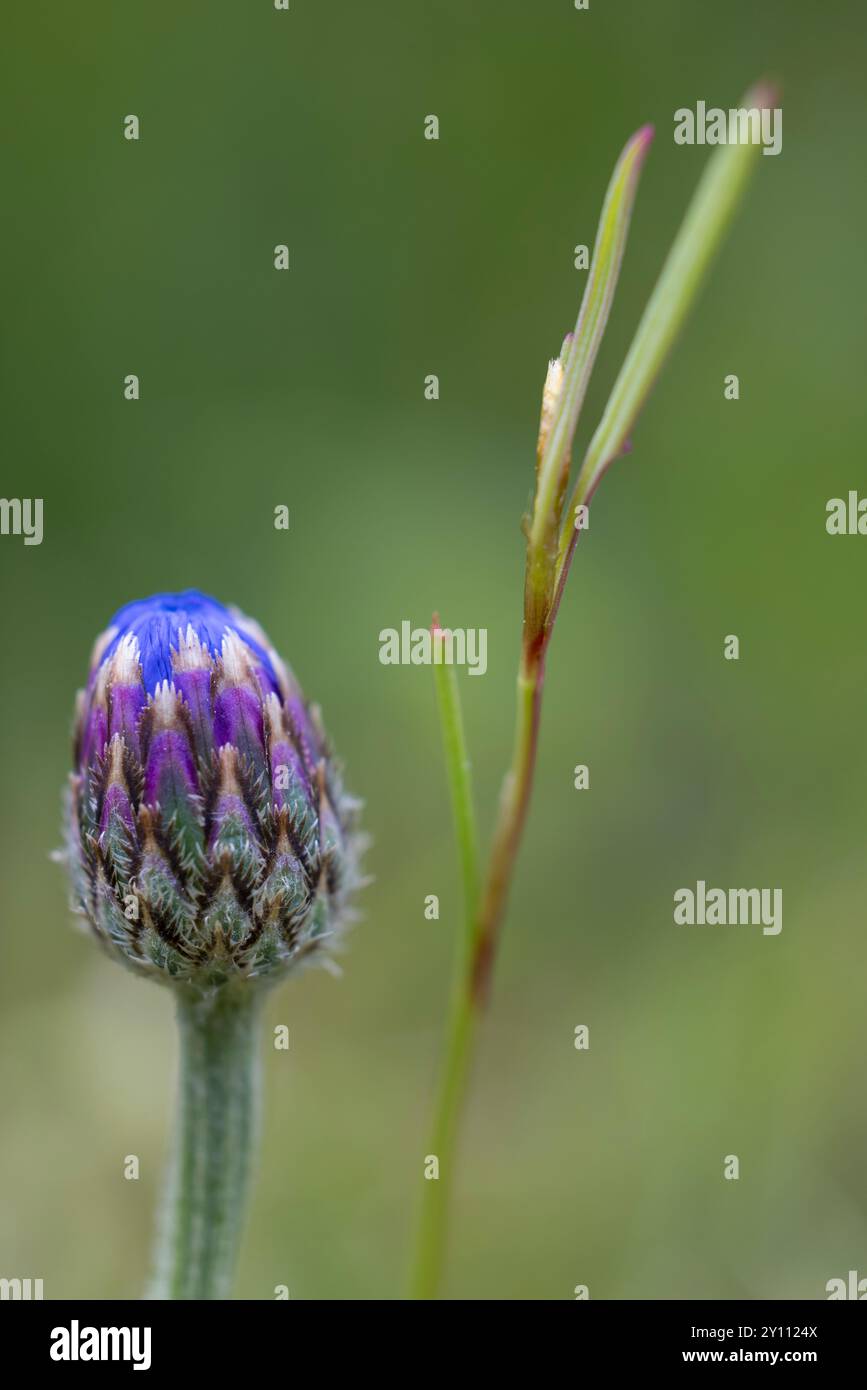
<point x="707" y="219"/>
<point x="592" y="318"/>
<point x="459" y="775"/>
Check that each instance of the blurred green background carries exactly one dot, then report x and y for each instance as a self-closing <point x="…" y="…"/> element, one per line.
<point x="410" y="257"/>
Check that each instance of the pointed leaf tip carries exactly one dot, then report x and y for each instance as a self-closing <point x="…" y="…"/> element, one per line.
<point x="765" y="94"/>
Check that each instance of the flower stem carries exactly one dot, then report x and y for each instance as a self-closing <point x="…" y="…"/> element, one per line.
<point x="217" y="1124"/>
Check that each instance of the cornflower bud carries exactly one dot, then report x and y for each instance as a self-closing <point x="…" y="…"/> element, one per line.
<point x="209" y="837"/>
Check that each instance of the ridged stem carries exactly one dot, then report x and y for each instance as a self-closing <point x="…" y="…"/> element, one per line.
<point x="215" y="1138"/>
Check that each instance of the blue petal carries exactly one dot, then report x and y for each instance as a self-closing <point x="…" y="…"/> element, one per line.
<point x="155" y="622"/>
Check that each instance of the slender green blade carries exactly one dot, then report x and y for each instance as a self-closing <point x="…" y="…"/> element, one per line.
<point x="592" y="318"/>
<point x="459" y="774"/>
<point x="429" y="1250"/>
<point x="707" y="219"/>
